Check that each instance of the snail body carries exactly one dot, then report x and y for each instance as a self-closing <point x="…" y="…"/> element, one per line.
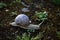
<point x="23" y="21"/>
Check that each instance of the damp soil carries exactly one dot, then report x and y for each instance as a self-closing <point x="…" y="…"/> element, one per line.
<point x="50" y="26"/>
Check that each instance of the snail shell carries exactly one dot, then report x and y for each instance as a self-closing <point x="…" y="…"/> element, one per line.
<point x="22" y="20"/>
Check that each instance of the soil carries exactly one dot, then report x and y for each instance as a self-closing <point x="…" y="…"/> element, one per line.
<point x="50" y="26"/>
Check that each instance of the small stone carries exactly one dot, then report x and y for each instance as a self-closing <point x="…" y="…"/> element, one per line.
<point x="25" y="10"/>
<point x="6" y="10"/>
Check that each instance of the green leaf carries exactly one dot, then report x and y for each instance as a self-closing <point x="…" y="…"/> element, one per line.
<point x="38" y="37"/>
<point x="30" y="30"/>
<point x="25" y="36"/>
<point x="2" y="5"/>
<point x="18" y="38"/>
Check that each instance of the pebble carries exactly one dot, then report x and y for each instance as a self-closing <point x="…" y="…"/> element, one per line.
<point x="25" y="10"/>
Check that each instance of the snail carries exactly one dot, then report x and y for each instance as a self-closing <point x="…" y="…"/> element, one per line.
<point x="23" y="21"/>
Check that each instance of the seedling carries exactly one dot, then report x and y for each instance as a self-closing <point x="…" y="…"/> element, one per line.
<point x="41" y="16"/>
<point x="27" y="37"/>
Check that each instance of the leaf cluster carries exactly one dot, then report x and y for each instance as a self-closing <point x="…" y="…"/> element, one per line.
<point x="27" y="37"/>
<point x="41" y="16"/>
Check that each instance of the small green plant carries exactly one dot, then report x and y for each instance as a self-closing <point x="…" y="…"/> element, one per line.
<point x="13" y="13"/>
<point x="18" y="38"/>
<point x="2" y="5"/>
<point x="41" y="16"/>
<point x="38" y="37"/>
<point x="58" y="34"/>
<point x="17" y="1"/>
<point x="27" y="37"/>
<point x="23" y="37"/>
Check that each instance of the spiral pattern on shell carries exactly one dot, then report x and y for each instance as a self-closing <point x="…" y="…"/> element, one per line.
<point x="22" y="20"/>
